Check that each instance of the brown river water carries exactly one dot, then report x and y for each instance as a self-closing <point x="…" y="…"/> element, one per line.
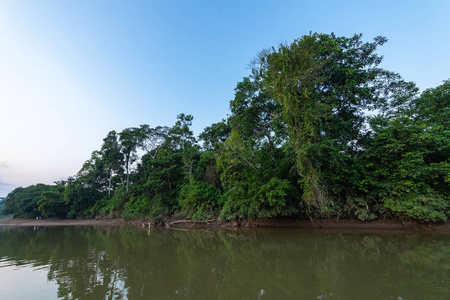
<point x="133" y="263"/>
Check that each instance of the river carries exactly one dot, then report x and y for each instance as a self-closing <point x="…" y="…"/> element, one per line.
<point x="134" y="263"/>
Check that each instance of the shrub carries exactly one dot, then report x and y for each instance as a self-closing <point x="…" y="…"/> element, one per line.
<point x="199" y="200"/>
<point x="429" y="208"/>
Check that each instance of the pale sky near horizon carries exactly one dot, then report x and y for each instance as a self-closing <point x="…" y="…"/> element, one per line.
<point x="71" y="71"/>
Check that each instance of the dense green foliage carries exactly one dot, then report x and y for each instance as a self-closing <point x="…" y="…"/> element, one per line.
<point x="318" y="129"/>
<point x="24" y="201"/>
<point x="2" y="205"/>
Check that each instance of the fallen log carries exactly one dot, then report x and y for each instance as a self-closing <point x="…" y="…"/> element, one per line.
<point x="170" y="224"/>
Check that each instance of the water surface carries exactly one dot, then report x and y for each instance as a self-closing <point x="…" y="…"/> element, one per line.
<point x="133" y="263"/>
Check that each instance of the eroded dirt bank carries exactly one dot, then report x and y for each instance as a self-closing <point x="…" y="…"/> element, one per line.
<point x="62" y="222"/>
<point x="315" y="224"/>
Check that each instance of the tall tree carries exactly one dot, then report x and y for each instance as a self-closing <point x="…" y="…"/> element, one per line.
<point x="130" y="139"/>
<point x="153" y="138"/>
<point x="112" y="157"/>
<point x="182" y="138"/>
<point x="325" y="83"/>
<point x="87" y="187"/>
<point x="252" y="160"/>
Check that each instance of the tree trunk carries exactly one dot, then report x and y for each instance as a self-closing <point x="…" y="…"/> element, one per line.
<point x="109" y="186"/>
<point x="128" y="170"/>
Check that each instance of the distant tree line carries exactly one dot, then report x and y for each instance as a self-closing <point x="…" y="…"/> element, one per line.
<point x="317" y="129"/>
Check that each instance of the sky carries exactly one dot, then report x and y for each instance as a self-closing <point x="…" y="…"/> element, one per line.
<point x="71" y="71"/>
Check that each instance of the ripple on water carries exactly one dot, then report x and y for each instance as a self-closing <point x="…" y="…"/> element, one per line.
<point x="18" y="263"/>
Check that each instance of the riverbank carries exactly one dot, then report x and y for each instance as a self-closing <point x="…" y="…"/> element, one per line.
<point x="62" y="222"/>
<point x="315" y="224"/>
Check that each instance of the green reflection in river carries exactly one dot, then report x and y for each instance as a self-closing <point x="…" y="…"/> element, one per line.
<point x="131" y="263"/>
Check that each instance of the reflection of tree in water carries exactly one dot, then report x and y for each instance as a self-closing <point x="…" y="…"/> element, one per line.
<point x="126" y="263"/>
<point x="327" y="269"/>
<point x="81" y="262"/>
<point x="383" y="266"/>
<point x="428" y="258"/>
<point x="82" y="278"/>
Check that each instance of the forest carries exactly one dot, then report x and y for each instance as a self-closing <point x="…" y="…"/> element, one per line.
<point x="317" y="130"/>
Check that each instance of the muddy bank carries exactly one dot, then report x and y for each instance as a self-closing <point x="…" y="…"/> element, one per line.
<point x="315" y="224"/>
<point x="62" y="222"/>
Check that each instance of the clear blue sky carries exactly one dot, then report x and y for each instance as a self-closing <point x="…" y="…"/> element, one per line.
<point x="71" y="71"/>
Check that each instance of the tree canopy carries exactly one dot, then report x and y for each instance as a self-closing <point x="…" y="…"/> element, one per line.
<point x="317" y="129"/>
